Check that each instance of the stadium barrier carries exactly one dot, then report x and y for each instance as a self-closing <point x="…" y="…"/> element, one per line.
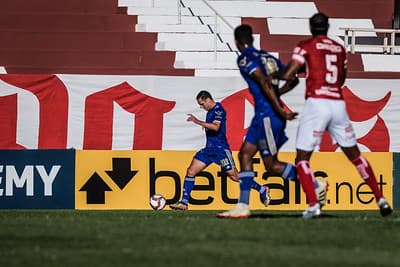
<point x="137" y="125"/>
<point x="125" y="179"/>
<point x="388" y="45"/>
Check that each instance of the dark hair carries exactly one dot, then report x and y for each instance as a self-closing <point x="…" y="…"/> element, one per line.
<point x="244" y="34"/>
<point x="319" y="24"/>
<point x="203" y="95"/>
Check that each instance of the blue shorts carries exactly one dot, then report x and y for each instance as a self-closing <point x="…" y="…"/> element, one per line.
<point x="268" y="134"/>
<point x="222" y="157"/>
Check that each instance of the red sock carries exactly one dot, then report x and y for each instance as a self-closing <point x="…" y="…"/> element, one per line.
<point x="366" y="172"/>
<point x="306" y="178"/>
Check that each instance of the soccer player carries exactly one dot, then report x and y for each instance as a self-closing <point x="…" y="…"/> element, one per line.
<point x="216" y="150"/>
<point x="266" y="133"/>
<point x="325" y="63"/>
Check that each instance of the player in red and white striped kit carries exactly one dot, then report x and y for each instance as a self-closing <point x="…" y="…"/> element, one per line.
<point x="325" y="64"/>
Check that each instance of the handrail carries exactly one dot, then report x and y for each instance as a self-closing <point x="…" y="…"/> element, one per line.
<point x="217" y="15"/>
<point x="385" y="46"/>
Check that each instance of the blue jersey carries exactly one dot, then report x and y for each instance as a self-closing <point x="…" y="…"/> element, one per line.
<point x="248" y="62"/>
<point x="217" y="148"/>
<point x="267" y="129"/>
<point x="217" y="139"/>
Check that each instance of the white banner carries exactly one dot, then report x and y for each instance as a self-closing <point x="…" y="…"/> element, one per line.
<point x="149" y="112"/>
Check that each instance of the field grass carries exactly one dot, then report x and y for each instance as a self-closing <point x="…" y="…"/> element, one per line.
<point x="197" y="238"/>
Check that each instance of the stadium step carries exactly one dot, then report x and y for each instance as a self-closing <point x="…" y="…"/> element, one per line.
<point x="60" y="7"/>
<point x="67" y="22"/>
<point x="78" y="40"/>
<point x="235" y="8"/>
<point x="145" y="59"/>
<point x="377" y="11"/>
<point x="99" y="70"/>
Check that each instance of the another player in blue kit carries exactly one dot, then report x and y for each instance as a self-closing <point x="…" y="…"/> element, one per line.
<point x="266" y="133"/>
<point x="216" y="150"/>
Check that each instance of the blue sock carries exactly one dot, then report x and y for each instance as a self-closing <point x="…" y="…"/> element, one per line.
<point x="188" y="185"/>
<point x="257" y="186"/>
<point x="246" y="180"/>
<point x="289" y="172"/>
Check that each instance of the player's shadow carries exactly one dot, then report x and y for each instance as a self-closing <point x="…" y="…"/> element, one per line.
<point x="286" y="215"/>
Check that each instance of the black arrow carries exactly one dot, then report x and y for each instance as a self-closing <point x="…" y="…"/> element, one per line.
<point x="121" y="173"/>
<point x="95" y="189"/>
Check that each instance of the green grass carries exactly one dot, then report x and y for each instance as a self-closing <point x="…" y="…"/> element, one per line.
<point x="197" y="238"/>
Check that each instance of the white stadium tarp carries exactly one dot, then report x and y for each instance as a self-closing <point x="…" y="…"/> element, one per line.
<point x="149" y="112"/>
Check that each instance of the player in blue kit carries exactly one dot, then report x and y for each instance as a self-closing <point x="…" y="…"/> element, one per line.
<point x="266" y="133"/>
<point x="216" y="150"/>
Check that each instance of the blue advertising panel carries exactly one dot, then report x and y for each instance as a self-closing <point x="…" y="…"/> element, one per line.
<point x="37" y="179"/>
<point x="396" y="180"/>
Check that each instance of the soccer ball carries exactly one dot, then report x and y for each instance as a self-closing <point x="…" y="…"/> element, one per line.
<point x="157" y="202"/>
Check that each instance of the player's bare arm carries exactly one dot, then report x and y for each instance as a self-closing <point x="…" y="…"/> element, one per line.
<point x="215" y="125"/>
<point x="290" y="73"/>
<point x="288" y="86"/>
<point x="260" y="78"/>
<point x="290" y="76"/>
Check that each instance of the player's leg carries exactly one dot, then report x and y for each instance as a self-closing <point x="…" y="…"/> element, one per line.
<point x="228" y="166"/>
<point x="266" y="135"/>
<point x="343" y="132"/>
<point x="365" y="170"/>
<point x="308" y="182"/>
<point x="271" y="138"/>
<point x="246" y="177"/>
<point x="233" y="174"/>
<point x="246" y="174"/>
<point x="279" y="168"/>
<point x="313" y="122"/>
<point x="194" y="168"/>
<point x="224" y="159"/>
<point x="263" y="190"/>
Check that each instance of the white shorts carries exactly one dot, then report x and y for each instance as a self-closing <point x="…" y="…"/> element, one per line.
<point x="324" y="114"/>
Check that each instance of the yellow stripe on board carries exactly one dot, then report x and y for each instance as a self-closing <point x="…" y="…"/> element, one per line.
<point x="112" y="179"/>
